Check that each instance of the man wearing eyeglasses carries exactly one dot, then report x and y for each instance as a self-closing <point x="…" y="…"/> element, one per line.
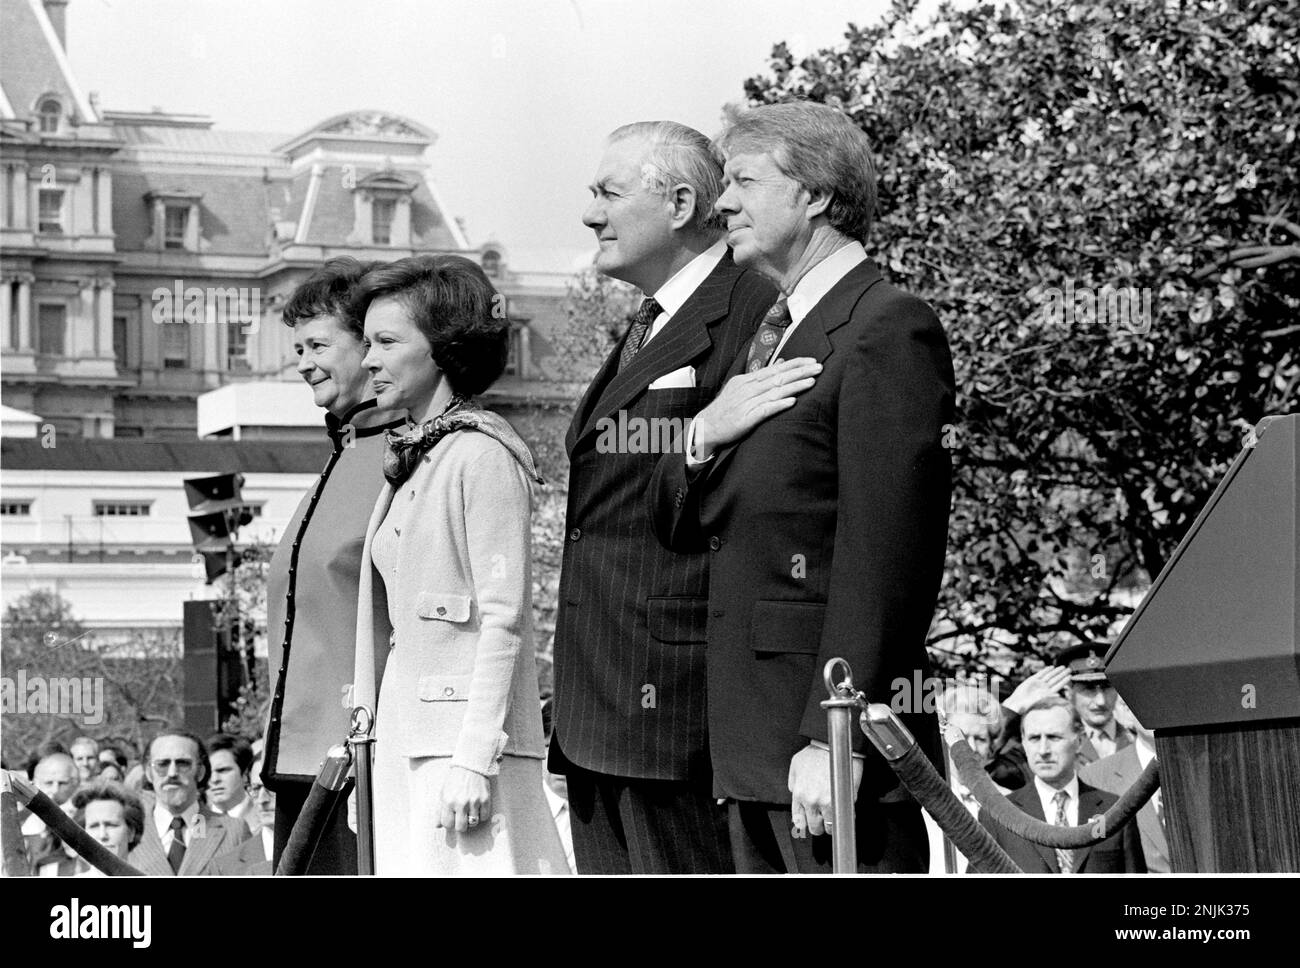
<point x="182" y="837"/>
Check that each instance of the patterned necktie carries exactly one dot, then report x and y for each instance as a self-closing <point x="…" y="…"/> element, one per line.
<point x="636" y="333"/>
<point x="1064" y="858"/>
<point x="176" y="852"/>
<point x="768" y="336"/>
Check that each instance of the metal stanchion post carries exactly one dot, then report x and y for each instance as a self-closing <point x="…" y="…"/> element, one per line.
<point x="840" y="708"/>
<point x="362" y="742"/>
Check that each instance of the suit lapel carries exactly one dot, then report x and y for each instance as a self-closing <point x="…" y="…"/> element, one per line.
<point x="1089" y="804"/>
<point x="1027" y="799"/>
<point x="592" y="394"/>
<point x="685" y="337"/>
<point x="148" y="855"/>
<point x="200" y="850"/>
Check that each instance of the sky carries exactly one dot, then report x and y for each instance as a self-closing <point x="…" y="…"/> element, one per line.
<point x="521" y="93"/>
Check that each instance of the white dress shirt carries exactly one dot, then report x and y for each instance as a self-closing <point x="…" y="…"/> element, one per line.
<point x="1047" y="796"/>
<point x="1103" y="739"/>
<point x="672" y="295"/>
<point x="162" y="822"/>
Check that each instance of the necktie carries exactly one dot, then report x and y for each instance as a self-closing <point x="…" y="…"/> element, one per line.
<point x="768" y="336"/>
<point x="641" y="323"/>
<point x="176" y="852"/>
<point x="1064" y="858"/>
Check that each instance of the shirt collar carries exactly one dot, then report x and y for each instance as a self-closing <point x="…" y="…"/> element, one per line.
<point x="1145" y="753"/>
<point x="1107" y="731"/>
<point x="672" y="295"/>
<point x="1047" y="796"/>
<point x="364" y="419"/>
<point x="162" y="817"/>
<point x="821" y="278"/>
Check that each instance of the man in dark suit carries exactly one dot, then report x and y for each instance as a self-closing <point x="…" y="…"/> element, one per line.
<point x="823" y="506"/>
<point x="1119" y="771"/>
<point x="253" y="857"/>
<point x="181" y="836"/>
<point x="1050" y="733"/>
<point x="629" y="705"/>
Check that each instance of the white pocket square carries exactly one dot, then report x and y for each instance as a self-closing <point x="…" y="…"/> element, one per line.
<point x="685" y="377"/>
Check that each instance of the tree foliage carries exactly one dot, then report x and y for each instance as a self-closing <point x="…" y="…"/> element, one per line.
<point x="1031" y="155"/>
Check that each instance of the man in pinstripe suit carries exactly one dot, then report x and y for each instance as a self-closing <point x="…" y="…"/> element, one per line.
<point x="629" y="701"/>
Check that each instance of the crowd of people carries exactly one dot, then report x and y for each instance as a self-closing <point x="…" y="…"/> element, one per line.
<point x="704" y="586"/>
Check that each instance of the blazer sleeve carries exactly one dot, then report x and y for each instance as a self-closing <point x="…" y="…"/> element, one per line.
<point x="497" y="501"/>
<point x="891" y="524"/>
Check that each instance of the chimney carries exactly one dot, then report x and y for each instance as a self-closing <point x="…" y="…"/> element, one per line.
<point x="57" y="11"/>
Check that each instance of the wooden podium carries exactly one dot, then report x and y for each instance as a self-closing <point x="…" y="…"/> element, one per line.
<point x="1209" y="661"/>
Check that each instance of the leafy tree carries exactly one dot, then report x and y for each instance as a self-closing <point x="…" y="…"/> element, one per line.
<point x="1037" y="159"/>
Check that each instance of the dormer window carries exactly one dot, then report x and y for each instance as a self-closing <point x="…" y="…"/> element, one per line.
<point x="49" y="114"/>
<point x="382" y="213"/>
<point x="492" y="262"/>
<point x="176" y="220"/>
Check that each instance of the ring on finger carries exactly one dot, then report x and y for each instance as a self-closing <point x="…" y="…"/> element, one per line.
<point x="472" y="821"/>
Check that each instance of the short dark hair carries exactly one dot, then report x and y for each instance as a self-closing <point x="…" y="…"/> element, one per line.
<point x="239" y="747"/>
<point x="328" y="292"/>
<point x="454" y="305"/>
<point x="205" y="765"/>
<point x="132" y="811"/>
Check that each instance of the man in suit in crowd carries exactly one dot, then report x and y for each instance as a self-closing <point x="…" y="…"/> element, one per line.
<point x="1094" y="697"/>
<point x="231" y="758"/>
<point x="181" y="836"/>
<point x="823" y="506"/>
<point x="253" y="856"/>
<point x="56" y="775"/>
<point x="1051" y="733"/>
<point x="85" y="753"/>
<point x="629" y="706"/>
<point x="1119" y="771"/>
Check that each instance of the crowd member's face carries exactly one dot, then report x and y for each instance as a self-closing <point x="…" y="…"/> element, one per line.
<point x="976" y="731"/>
<point x="1095" y="702"/>
<point x="399" y="359"/>
<point x="174" y="770"/>
<point x="85" y="755"/>
<point x="1051" y="744"/>
<point x="263" y="796"/>
<point x="226" y="785"/>
<point x="329" y="359"/>
<point x="633" y="223"/>
<point x="57" y="777"/>
<point x="768" y="225"/>
<point x="106" y="822"/>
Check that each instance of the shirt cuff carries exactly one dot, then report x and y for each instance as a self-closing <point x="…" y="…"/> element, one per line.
<point x="692" y="463"/>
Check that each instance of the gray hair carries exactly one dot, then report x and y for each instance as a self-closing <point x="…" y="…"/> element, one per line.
<point x="821" y="149"/>
<point x="679" y="155"/>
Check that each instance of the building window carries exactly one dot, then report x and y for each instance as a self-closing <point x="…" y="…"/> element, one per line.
<point x="51" y="328"/>
<point x="492" y="262"/>
<point x="119" y="341"/>
<point x="382" y="213"/>
<point x="16" y="509"/>
<point x="50" y="114"/>
<point x="175" y="346"/>
<point x="122" y="509"/>
<point x="176" y="223"/>
<point x="236" y="347"/>
<point x="512" y="353"/>
<point x="50" y="211"/>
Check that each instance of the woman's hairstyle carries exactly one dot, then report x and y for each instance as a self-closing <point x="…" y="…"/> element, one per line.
<point x="132" y="811"/>
<point x="452" y="303"/>
<point x="328" y="292"/>
<point x="677" y="155"/>
<point x="818" y="147"/>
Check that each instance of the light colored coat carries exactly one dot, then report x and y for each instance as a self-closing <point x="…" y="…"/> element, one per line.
<point x="211" y="836"/>
<point x="461" y="679"/>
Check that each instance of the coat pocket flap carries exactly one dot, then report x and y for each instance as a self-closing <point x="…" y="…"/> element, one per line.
<point x="439" y="605"/>
<point x="444" y="688"/>
<point x="787" y="627"/>
<point x="677" y="620"/>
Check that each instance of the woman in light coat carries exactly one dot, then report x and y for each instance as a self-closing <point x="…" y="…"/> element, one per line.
<point x="458" y="783"/>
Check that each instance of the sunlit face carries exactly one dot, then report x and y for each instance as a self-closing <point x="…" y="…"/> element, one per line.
<point x="633" y="223"/>
<point x="263" y="797"/>
<point x="768" y="225"/>
<point x="1095" y="702"/>
<point x="226" y="785"/>
<point x="1051" y="744"/>
<point x="329" y="359"/>
<point x="175" y="771"/>
<point x="976" y="731"/>
<point x="106" y="823"/>
<point x="85" y="753"/>
<point x="399" y="359"/>
<point x="57" y="778"/>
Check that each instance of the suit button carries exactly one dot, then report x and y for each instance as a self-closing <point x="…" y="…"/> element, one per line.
<point x="449" y="690"/>
<point x="679" y="498"/>
<point x="575" y="534"/>
<point x="442" y="610"/>
<point x="715" y="543"/>
<point x="717" y="613"/>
